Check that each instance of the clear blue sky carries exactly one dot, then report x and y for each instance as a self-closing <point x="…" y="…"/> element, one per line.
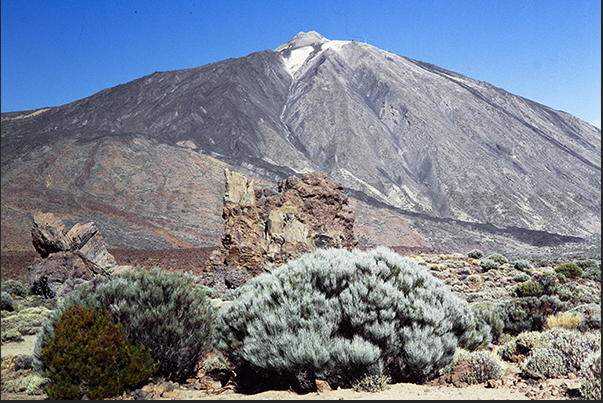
<point x="56" y="52"/>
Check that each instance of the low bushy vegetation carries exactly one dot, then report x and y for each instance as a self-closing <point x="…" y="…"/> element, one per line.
<point x="569" y="270"/>
<point x="562" y="352"/>
<point x="340" y="316"/>
<point x="165" y="312"/>
<point x="90" y="356"/>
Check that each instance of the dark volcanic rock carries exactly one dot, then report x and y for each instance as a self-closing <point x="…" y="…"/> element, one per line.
<point x="60" y="272"/>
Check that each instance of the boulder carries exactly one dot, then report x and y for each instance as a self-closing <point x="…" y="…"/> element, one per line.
<point x="67" y="258"/>
<point x="48" y="234"/>
<point x="87" y="239"/>
<point x="60" y="272"/>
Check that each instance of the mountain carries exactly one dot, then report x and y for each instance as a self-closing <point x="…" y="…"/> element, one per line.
<point x="429" y="157"/>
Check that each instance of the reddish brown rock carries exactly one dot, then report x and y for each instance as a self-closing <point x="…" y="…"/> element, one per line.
<point x="265" y="228"/>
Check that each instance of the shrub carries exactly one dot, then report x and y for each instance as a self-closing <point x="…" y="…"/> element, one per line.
<point x="15" y="287"/>
<point x="339" y="315"/>
<point x="546" y="280"/>
<point x="507" y="350"/>
<point x="590" y="314"/>
<point x="593" y="272"/>
<point x="528" y="289"/>
<point x="6" y="301"/>
<point x="583" y="264"/>
<point x="483" y="366"/>
<point x="590" y="377"/>
<point x="475" y="254"/>
<point x="569" y="270"/>
<point x="486" y="314"/>
<point x="489" y="264"/>
<point x="32" y="384"/>
<point x="525" y="342"/>
<point x="498" y="258"/>
<point x="528" y="313"/>
<point x="521" y="277"/>
<point x="166" y="312"/>
<point x="565" y="352"/>
<point x="89" y="355"/>
<point x="372" y="383"/>
<point x="564" y="320"/>
<point x="524" y="266"/>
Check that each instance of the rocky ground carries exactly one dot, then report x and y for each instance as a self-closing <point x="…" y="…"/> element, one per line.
<point x="460" y="272"/>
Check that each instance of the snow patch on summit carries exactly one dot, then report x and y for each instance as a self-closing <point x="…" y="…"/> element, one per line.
<point x="297" y="57"/>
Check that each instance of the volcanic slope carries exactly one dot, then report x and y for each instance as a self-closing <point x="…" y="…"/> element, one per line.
<point x="432" y="149"/>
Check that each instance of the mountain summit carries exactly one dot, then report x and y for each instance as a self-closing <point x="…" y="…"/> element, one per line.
<point x="429" y="156"/>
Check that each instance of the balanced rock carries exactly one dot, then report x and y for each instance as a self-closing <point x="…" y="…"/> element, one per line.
<point x="67" y="258"/>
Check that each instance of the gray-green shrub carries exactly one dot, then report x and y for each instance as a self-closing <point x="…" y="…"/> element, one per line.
<point x="475" y="254"/>
<point x="521" y="277"/>
<point x="528" y="313"/>
<point x="593" y="272"/>
<point x="524" y="266"/>
<point x="498" y="258"/>
<point x="166" y="312"/>
<point x="489" y="264"/>
<point x="565" y="351"/>
<point x="590" y="377"/>
<point x="338" y="315"/>
<point x="15" y="287"/>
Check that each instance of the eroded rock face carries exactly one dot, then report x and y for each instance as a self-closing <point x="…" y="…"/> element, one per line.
<point x="307" y="213"/>
<point x="60" y="272"/>
<point x="67" y="258"/>
<point x="265" y="228"/>
<point x="48" y="234"/>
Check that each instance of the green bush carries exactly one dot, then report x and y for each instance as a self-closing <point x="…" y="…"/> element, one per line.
<point x="89" y="355"/>
<point x="528" y="313"/>
<point x="339" y="316"/>
<point x="486" y="314"/>
<point x="529" y="289"/>
<point x="15" y="287"/>
<point x="498" y="258"/>
<point x="166" y="312"/>
<point x="569" y="270"/>
<point x="6" y="302"/>
<point x="475" y="254"/>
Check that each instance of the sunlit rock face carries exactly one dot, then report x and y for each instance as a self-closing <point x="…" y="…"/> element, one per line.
<point x="433" y="157"/>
